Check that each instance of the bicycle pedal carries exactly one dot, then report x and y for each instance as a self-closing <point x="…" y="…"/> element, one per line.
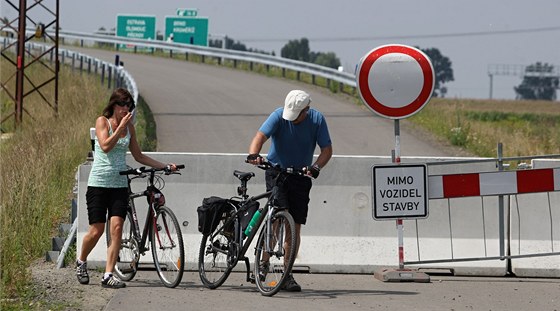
<point x="127" y="270"/>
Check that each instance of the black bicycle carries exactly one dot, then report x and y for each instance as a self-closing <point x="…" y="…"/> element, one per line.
<point x="161" y="228"/>
<point x="227" y="243"/>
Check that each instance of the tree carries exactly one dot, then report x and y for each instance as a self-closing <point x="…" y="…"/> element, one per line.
<point x="296" y="49"/>
<point x="235" y="45"/>
<point x="442" y="70"/>
<point x="299" y="50"/>
<point x="325" y="59"/>
<point x="539" y="82"/>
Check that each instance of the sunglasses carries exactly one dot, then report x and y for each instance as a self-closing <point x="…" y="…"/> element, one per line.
<point x="122" y="104"/>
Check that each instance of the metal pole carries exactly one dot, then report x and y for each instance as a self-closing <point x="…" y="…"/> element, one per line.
<point x="397" y="160"/>
<point x="69" y="239"/>
<point x="20" y="63"/>
<point x="491" y="84"/>
<point x="56" y="62"/>
<point x="501" y="205"/>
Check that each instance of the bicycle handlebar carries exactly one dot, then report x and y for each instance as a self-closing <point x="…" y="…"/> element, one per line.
<point x="141" y="170"/>
<point x="290" y="170"/>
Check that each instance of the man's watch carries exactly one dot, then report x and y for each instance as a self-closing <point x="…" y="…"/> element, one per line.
<point x="317" y="167"/>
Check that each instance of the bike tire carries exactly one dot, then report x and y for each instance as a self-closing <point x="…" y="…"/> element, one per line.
<point x="216" y="256"/>
<point x="129" y="252"/>
<point x="167" y="247"/>
<point x="270" y="279"/>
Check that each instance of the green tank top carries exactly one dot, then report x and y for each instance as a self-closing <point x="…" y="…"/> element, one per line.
<point x="106" y="166"/>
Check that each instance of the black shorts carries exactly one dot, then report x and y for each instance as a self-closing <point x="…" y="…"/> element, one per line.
<point x="106" y="201"/>
<point x="294" y="194"/>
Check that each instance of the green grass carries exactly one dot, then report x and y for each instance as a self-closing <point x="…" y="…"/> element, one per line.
<point x="38" y="166"/>
<point x="524" y="128"/>
<point x="145" y="126"/>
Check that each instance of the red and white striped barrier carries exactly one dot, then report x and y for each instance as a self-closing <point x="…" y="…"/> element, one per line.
<point x="494" y="183"/>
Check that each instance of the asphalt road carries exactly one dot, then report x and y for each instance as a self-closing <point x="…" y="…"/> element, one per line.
<point x="204" y="108"/>
<point x="342" y="292"/>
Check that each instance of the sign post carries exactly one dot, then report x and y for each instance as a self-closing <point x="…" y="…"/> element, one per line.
<point x="396" y="81"/>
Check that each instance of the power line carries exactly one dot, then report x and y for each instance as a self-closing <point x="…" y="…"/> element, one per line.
<point x="425" y="36"/>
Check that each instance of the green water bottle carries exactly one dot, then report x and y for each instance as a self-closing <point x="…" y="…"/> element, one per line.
<point x="253" y="222"/>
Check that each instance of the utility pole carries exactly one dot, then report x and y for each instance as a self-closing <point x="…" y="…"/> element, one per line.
<point x="24" y="58"/>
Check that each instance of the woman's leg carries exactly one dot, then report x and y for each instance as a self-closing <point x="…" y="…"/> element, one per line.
<point x="116" y="236"/>
<point x="91" y="238"/>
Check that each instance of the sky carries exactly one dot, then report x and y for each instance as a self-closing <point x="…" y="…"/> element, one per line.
<point x="473" y="34"/>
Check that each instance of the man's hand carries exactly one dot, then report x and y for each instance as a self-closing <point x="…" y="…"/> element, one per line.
<point x="312" y="171"/>
<point x="254" y="158"/>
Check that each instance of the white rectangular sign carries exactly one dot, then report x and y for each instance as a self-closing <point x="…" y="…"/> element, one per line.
<point x="400" y="191"/>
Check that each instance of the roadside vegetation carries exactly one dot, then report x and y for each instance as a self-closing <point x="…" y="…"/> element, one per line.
<point x="38" y="163"/>
<point x="525" y="128"/>
<point x="38" y="166"/>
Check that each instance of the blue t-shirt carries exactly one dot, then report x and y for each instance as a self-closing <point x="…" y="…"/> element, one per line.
<point x="292" y="145"/>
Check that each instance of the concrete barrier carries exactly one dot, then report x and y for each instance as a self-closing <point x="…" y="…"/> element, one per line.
<point x="341" y="235"/>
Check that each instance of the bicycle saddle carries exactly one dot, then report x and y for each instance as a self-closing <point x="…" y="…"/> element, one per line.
<point x="244" y="176"/>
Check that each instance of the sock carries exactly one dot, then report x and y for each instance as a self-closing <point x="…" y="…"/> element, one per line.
<point x="79" y="261"/>
<point x="107" y="275"/>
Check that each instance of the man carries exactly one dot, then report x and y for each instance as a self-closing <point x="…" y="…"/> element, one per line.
<point x="295" y="130"/>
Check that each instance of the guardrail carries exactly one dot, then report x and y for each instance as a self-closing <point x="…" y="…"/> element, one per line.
<point x="109" y="73"/>
<point x="314" y="70"/>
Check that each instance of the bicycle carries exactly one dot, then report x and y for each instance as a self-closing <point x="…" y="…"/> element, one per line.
<point x="161" y="228"/>
<point x="225" y="245"/>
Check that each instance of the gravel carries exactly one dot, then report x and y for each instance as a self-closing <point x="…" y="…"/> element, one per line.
<point x="58" y="289"/>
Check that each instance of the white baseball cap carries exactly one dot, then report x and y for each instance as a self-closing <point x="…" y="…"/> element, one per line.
<point x="295" y="102"/>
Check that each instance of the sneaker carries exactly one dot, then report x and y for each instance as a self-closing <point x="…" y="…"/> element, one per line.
<point x="264" y="267"/>
<point x="81" y="273"/>
<point x="291" y="285"/>
<point x="112" y="282"/>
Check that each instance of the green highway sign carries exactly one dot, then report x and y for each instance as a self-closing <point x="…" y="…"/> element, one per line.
<point x="190" y="30"/>
<point x="136" y="26"/>
<point x="187" y="12"/>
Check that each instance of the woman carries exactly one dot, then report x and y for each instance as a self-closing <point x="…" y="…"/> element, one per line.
<point x="107" y="193"/>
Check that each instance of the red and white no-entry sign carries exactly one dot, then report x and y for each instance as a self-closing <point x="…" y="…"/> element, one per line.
<point x="395" y="81"/>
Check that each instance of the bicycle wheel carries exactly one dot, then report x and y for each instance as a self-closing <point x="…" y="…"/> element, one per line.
<point x="167" y="247"/>
<point x="129" y="253"/>
<point x="270" y="274"/>
<point x="216" y="257"/>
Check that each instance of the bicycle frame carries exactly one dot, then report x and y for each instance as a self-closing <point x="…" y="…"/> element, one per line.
<point x="276" y="246"/>
<point x="143" y="238"/>
<point x="267" y="211"/>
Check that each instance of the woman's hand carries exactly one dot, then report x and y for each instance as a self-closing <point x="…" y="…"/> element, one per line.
<point x="123" y="125"/>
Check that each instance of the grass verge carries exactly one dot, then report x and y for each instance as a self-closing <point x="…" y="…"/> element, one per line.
<point x="38" y="164"/>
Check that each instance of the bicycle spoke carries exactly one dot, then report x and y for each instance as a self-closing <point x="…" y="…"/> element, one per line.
<point x="214" y="259"/>
<point x="273" y="262"/>
<point x="129" y="254"/>
<point x="167" y="247"/>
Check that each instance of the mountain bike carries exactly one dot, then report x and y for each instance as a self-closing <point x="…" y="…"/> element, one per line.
<point x="161" y="228"/>
<point x="227" y="243"/>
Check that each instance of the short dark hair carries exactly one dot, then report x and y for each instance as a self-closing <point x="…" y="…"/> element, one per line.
<point x="120" y="95"/>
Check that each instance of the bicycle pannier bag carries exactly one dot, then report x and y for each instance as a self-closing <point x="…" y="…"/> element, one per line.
<point x="209" y="213"/>
<point x="247" y="212"/>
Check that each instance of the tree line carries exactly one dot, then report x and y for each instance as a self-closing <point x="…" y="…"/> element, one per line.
<point x="539" y="81"/>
